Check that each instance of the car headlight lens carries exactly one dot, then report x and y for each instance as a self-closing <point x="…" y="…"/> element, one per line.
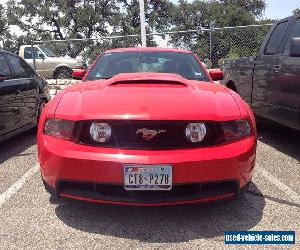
<point x="59" y="128"/>
<point x="195" y="132"/>
<point x="100" y="132"/>
<point x="236" y="129"/>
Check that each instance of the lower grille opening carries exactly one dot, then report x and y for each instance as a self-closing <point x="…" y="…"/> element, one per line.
<point x="178" y="192"/>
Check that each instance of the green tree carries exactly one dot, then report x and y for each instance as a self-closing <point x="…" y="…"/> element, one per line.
<point x="65" y="19"/>
<point x="127" y="22"/>
<point x="296" y="11"/>
<point x="255" y="7"/>
<point x="224" y="43"/>
<point x="3" y="24"/>
<point x="3" y="21"/>
<point x="73" y="19"/>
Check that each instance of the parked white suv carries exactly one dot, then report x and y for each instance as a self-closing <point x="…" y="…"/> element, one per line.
<point x="48" y="64"/>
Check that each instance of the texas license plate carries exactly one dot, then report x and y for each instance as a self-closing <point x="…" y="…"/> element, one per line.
<point x="147" y="177"/>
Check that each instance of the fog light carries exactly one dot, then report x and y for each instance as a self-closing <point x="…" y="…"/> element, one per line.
<point x="100" y="132"/>
<point x="195" y="132"/>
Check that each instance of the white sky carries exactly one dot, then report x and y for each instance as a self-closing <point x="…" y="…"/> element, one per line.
<point x="278" y="9"/>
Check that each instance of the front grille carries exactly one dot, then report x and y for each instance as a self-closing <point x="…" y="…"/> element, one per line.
<point x="113" y="192"/>
<point x="124" y="135"/>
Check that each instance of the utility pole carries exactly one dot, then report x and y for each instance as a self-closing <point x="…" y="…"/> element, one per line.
<point x="143" y="24"/>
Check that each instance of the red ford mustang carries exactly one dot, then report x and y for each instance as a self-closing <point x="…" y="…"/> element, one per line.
<point x="147" y="126"/>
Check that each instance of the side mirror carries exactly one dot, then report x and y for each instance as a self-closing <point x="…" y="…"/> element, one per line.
<point x="40" y="55"/>
<point x="78" y="74"/>
<point x="216" y="74"/>
<point x="295" y="47"/>
<point x="3" y="77"/>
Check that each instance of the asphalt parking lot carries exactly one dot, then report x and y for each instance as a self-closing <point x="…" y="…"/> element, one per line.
<point x="31" y="219"/>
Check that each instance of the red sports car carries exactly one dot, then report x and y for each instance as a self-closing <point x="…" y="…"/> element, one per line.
<point x="148" y="127"/>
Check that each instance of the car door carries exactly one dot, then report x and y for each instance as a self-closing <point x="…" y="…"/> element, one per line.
<point x="7" y="92"/>
<point x="39" y="59"/>
<point x="285" y="96"/>
<point x="26" y="94"/>
<point x="265" y="68"/>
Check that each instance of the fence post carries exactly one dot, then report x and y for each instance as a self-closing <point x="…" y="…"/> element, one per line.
<point x="33" y="56"/>
<point x="210" y="42"/>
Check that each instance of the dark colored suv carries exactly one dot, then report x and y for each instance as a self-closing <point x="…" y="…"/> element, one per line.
<point x="23" y="94"/>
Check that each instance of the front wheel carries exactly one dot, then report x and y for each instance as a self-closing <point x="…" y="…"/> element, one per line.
<point x="63" y="74"/>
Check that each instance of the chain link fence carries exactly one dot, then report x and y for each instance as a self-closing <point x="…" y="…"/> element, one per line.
<point x="213" y="46"/>
<point x="236" y="42"/>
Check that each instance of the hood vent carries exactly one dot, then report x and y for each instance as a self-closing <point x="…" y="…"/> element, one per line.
<point x="147" y="81"/>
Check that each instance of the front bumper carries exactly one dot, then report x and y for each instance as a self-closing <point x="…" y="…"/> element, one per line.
<point x="96" y="174"/>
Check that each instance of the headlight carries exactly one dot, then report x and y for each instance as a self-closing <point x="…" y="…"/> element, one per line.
<point x="100" y="132"/>
<point x="195" y="132"/>
<point x="236" y="129"/>
<point x="59" y="128"/>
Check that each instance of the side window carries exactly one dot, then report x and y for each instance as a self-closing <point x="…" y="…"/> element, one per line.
<point x="28" y="53"/>
<point x="294" y="33"/>
<point x="29" y="71"/>
<point x="276" y="38"/>
<point x="20" y="67"/>
<point x="4" y="68"/>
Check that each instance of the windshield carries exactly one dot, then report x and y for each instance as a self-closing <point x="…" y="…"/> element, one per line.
<point x="111" y="64"/>
<point x="48" y="52"/>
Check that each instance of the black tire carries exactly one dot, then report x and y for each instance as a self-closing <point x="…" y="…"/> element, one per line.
<point x="63" y="73"/>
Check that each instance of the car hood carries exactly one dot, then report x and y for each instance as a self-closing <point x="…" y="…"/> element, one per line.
<point x="147" y="96"/>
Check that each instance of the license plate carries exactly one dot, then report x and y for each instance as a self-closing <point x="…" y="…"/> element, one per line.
<point x="148" y="177"/>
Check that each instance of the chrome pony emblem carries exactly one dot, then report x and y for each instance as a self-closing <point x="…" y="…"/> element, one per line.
<point x="148" y="134"/>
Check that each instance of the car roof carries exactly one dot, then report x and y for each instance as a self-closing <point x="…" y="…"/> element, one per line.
<point x="157" y="49"/>
<point x="288" y="18"/>
<point x="7" y="52"/>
